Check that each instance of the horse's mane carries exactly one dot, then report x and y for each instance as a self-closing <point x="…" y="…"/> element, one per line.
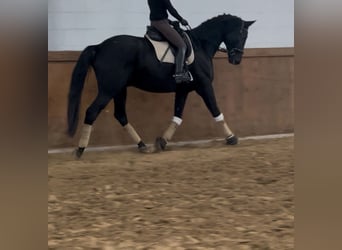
<point x="220" y="21"/>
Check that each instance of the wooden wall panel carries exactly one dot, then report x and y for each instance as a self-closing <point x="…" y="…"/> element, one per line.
<point x="256" y="98"/>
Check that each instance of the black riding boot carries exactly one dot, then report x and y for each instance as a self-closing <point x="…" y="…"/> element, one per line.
<point x="181" y="75"/>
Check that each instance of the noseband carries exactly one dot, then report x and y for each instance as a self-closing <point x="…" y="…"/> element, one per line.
<point x="231" y="52"/>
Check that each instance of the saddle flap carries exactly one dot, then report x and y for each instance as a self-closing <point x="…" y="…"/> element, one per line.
<point x="154" y="34"/>
<point x="189" y="49"/>
<point x="166" y="54"/>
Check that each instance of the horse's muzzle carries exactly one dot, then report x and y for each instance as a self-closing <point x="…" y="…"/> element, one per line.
<point x="234" y="61"/>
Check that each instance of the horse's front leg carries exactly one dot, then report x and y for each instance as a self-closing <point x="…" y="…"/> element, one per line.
<point x="207" y="93"/>
<point x="180" y="99"/>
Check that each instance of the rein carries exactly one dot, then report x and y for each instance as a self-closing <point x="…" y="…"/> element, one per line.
<point x="231" y="52"/>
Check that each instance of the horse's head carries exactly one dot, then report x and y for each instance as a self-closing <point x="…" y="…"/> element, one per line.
<point x="235" y="41"/>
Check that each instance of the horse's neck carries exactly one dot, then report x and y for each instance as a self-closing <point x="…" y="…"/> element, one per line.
<point x="208" y="40"/>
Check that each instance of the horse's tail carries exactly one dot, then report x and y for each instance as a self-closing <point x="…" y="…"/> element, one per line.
<point x="77" y="82"/>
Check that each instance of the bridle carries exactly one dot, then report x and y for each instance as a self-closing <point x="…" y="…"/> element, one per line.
<point x="233" y="51"/>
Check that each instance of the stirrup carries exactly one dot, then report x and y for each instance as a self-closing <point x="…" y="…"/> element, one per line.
<point x="183" y="77"/>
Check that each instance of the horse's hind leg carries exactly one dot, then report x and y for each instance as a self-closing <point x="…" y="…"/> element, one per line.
<point x="121" y="116"/>
<point x="92" y="113"/>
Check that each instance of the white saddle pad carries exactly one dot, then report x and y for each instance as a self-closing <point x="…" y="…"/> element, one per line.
<point x="164" y="53"/>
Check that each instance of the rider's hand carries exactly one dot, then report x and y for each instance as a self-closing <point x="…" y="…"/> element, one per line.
<point x="184" y="22"/>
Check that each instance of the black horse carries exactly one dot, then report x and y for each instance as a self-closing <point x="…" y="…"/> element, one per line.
<point x="123" y="61"/>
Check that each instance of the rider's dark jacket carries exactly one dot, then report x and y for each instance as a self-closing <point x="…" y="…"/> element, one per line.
<point x="159" y="10"/>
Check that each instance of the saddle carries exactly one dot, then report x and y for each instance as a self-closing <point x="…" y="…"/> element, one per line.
<point x="165" y="52"/>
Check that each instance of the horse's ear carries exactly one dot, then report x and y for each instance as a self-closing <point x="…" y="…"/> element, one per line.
<point x="248" y="23"/>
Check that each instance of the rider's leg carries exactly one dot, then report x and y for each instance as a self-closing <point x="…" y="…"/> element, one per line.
<point x="179" y="60"/>
<point x="175" y="39"/>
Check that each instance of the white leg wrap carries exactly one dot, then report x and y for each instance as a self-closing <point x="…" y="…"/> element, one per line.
<point x="170" y="131"/>
<point x="226" y="131"/>
<point x="219" y="118"/>
<point x="177" y="120"/>
<point x="85" y="136"/>
<point x="136" y="138"/>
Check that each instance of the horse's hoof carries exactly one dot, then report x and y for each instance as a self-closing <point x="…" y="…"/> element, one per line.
<point x="78" y="153"/>
<point x="160" y="144"/>
<point x="143" y="148"/>
<point x="232" y="140"/>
